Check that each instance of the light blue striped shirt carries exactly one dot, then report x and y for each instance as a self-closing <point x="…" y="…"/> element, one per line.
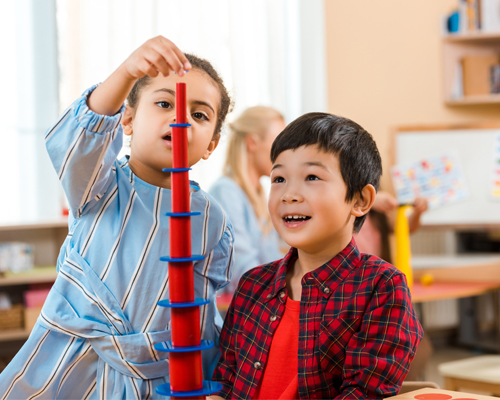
<point x="95" y="336"/>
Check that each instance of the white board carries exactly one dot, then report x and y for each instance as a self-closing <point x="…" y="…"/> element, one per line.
<point x="476" y="150"/>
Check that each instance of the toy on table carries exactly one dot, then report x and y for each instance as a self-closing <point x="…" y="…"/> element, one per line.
<point x="427" y="279"/>
<point x="403" y="249"/>
<point x="186" y="375"/>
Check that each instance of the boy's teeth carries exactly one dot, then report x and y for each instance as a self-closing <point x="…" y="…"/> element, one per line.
<point x="295" y="217"/>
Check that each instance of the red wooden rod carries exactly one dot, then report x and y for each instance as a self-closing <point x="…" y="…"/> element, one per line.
<point x="185" y="368"/>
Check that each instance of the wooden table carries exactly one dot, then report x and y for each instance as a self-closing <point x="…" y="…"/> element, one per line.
<point x="462" y="277"/>
<point x="439" y="394"/>
<point x="450" y="290"/>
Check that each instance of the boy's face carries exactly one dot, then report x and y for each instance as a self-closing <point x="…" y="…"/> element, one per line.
<point x="306" y="182"/>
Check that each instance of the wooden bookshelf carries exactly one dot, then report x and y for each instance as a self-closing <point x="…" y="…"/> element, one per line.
<point x="455" y="47"/>
<point x="35" y="275"/>
<point x="14" y="334"/>
<point x="46" y="237"/>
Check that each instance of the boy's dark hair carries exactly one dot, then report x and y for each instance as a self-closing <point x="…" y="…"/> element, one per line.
<point x="359" y="159"/>
<point x="201" y="64"/>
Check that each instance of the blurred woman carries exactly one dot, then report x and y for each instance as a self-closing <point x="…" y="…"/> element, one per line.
<point x="240" y="192"/>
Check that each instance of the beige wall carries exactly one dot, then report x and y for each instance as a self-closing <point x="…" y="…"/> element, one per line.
<point x="384" y="67"/>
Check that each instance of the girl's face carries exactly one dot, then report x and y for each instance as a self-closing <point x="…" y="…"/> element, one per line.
<point x="149" y="124"/>
<point x="263" y="146"/>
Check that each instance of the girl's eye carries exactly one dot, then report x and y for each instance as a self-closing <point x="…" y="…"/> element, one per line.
<point x="278" y="179"/>
<point x="164" y="104"/>
<point x="312" y="178"/>
<point x="201" y="116"/>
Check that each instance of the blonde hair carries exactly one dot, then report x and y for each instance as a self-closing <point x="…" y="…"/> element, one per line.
<point x="253" y="120"/>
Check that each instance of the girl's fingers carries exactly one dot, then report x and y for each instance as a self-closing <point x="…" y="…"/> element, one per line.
<point x="149" y="69"/>
<point x="157" y="55"/>
<point x="158" y="61"/>
<point x="174" y="55"/>
<point x="170" y="59"/>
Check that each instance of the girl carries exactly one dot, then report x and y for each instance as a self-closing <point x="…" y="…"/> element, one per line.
<point x="240" y="192"/>
<point x="95" y="335"/>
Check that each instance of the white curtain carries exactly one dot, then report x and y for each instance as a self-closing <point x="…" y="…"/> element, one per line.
<point x="269" y="52"/>
<point x="9" y="149"/>
<point x="255" y="46"/>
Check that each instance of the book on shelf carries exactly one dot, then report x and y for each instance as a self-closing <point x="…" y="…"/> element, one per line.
<point x="489" y="15"/>
<point x="477" y="16"/>
<point x="469" y="16"/>
<point x="476" y="73"/>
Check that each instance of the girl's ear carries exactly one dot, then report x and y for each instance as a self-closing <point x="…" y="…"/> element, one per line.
<point x="210" y="149"/>
<point x="363" y="201"/>
<point x="128" y="118"/>
<point x="251" y="142"/>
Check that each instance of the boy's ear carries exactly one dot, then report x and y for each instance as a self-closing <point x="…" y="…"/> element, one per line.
<point x="128" y="117"/>
<point x="364" y="201"/>
<point x="211" y="147"/>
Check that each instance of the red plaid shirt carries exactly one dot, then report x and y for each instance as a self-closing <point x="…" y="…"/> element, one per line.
<point x="358" y="330"/>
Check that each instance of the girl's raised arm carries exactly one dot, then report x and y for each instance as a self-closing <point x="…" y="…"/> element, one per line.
<point x="156" y="56"/>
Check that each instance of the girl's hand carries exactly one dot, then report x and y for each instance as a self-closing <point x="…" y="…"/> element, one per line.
<point x="384" y="202"/>
<point x="420" y="205"/>
<point x="157" y="55"/>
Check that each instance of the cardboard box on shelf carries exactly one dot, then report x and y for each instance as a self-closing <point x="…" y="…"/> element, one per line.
<point x="476" y="71"/>
<point x="33" y="302"/>
<point x="30" y="316"/>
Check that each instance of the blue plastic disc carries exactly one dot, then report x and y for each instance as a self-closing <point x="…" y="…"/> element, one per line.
<point x="186" y="259"/>
<point x="209" y="387"/>
<point x="168" y="347"/>
<point x="176" y="169"/>
<point x="198" y="301"/>
<point x="180" y="125"/>
<point x="186" y="214"/>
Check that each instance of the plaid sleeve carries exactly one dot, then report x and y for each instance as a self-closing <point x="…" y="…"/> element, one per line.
<point x="379" y="355"/>
<point x="225" y="371"/>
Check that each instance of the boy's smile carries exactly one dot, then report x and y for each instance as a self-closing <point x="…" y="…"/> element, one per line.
<point x="307" y="202"/>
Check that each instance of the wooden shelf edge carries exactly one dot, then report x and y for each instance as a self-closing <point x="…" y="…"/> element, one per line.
<point x="14" y="334"/>
<point x="44" y="275"/>
<point x="471" y="37"/>
<point x="470" y="100"/>
<point x="58" y="223"/>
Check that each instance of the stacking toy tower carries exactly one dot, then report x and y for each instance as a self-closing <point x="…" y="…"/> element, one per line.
<point x="403" y="248"/>
<point x="186" y="375"/>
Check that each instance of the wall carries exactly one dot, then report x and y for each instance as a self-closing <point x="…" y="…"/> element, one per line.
<point x="384" y="67"/>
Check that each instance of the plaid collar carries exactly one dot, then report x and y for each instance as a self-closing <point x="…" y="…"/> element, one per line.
<point x="327" y="277"/>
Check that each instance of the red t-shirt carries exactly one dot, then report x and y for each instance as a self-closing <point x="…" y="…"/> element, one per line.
<point x="280" y="378"/>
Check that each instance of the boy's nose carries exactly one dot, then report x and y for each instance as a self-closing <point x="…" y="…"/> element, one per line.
<point x="291" y="198"/>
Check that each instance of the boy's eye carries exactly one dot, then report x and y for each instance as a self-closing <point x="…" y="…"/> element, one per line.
<point x="164" y="104"/>
<point x="312" y="178"/>
<point x="278" y="179"/>
<point x="199" y="115"/>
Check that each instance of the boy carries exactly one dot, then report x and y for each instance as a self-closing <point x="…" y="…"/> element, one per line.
<point x="325" y="321"/>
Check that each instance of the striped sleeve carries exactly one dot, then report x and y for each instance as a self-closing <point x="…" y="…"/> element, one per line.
<point x="83" y="146"/>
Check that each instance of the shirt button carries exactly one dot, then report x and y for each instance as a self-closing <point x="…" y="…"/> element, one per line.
<point x="257" y="365"/>
<point x="282" y="294"/>
<point x="269" y="296"/>
<point x="327" y="290"/>
<point x="273" y="318"/>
